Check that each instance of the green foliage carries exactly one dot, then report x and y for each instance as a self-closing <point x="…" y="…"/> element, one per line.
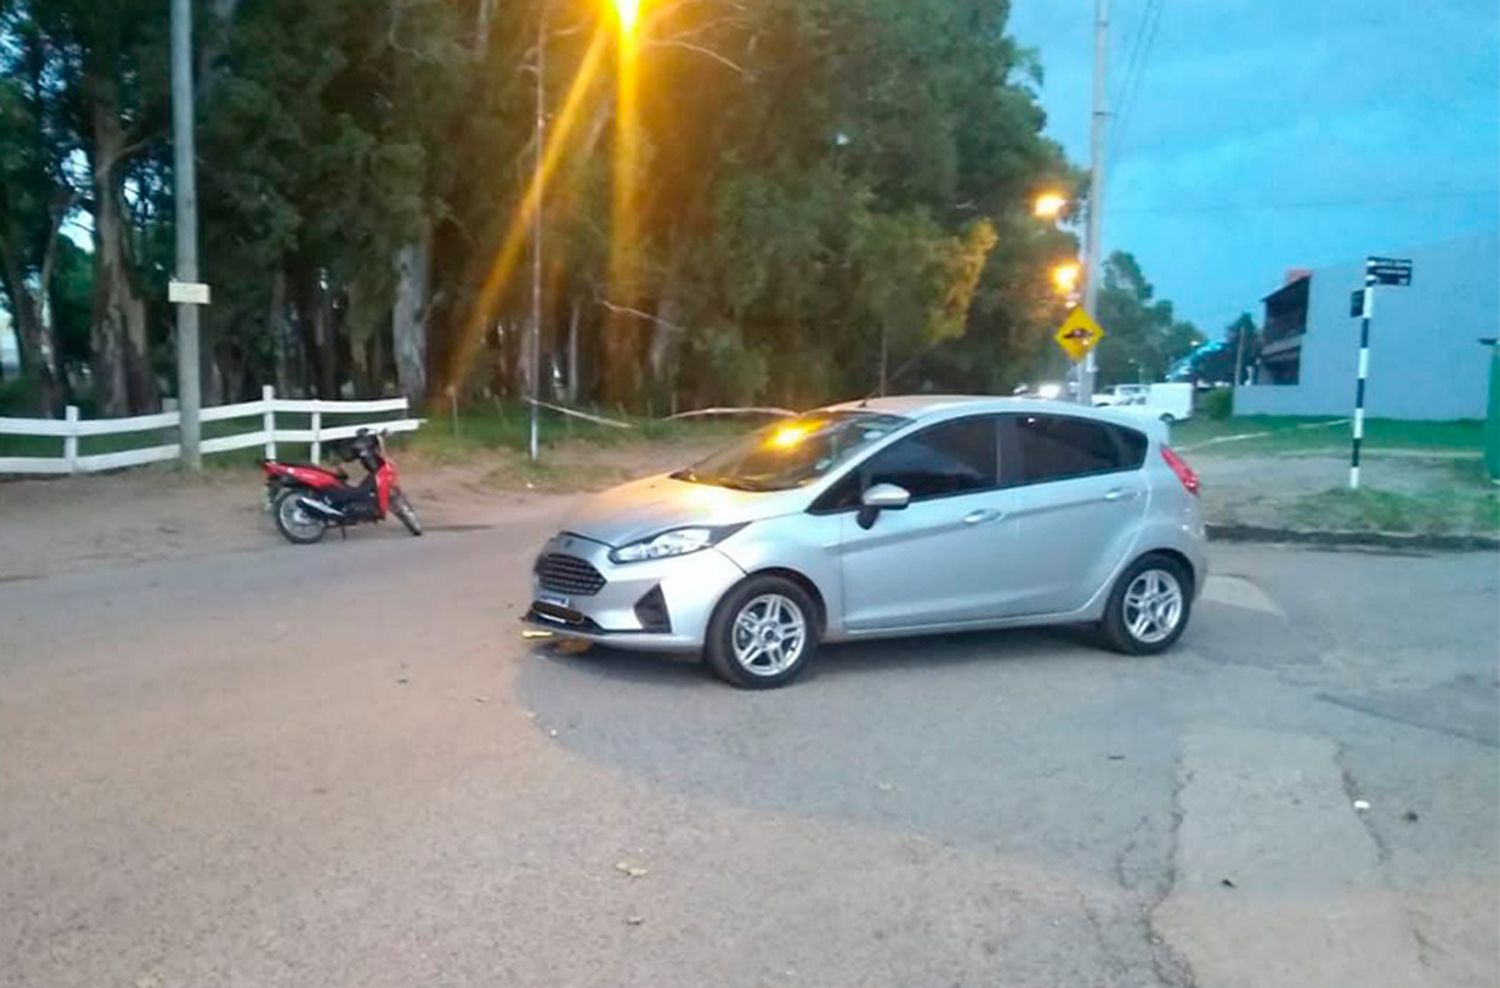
<point x="818" y="180"/>
<point x="1218" y="404"/>
<point x="1143" y="335"/>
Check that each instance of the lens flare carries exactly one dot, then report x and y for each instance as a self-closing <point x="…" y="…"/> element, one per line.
<point x="789" y="436"/>
<point x="513" y="246"/>
<point x="630" y="12"/>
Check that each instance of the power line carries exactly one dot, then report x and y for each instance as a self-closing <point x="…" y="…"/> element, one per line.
<point x="1141" y="60"/>
<point x="1117" y="98"/>
<point x="1228" y="207"/>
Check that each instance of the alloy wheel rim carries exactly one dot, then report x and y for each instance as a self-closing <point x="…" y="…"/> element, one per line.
<point x="296" y="517"/>
<point x="769" y="635"/>
<point x="1153" y="606"/>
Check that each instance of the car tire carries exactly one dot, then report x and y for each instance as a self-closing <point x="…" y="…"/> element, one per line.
<point x="1168" y="418"/>
<point x="763" y="633"/>
<point x="1149" y="607"/>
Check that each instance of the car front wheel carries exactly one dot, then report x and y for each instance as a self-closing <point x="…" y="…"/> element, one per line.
<point x="763" y="634"/>
<point x="1149" y="606"/>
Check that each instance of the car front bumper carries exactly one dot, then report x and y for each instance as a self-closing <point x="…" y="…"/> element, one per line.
<point x="657" y="605"/>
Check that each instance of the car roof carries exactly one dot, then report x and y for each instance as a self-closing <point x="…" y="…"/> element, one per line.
<point x="919" y="407"/>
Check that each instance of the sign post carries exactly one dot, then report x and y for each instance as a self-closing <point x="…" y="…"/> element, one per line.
<point x="1378" y="271"/>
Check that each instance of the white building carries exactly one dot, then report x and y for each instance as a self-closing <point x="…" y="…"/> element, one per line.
<point x="1426" y="361"/>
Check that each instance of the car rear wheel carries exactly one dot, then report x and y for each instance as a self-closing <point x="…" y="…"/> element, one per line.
<point x="1149" y="606"/>
<point x="763" y="634"/>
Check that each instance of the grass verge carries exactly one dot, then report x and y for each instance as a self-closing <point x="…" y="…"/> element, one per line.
<point x="1262" y="434"/>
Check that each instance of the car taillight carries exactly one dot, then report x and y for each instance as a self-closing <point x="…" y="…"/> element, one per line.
<point x="1182" y="470"/>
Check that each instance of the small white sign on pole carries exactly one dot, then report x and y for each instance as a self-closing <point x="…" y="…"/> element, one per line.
<point x="188" y="292"/>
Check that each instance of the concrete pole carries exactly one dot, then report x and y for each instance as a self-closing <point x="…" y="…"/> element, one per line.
<point x="186" y="202"/>
<point x="536" y="233"/>
<point x="1367" y="311"/>
<point x="1092" y="274"/>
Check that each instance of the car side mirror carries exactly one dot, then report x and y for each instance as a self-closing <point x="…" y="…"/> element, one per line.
<point x="878" y="498"/>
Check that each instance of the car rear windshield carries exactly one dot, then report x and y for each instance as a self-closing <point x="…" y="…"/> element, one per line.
<point x="793" y="452"/>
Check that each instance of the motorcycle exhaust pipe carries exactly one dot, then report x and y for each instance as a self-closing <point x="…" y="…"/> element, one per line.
<point x="319" y="508"/>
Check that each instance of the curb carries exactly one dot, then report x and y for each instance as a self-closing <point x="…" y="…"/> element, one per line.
<point x="1324" y="537"/>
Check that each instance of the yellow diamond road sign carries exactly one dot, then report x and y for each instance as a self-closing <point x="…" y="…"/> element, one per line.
<point x="1079" y="334"/>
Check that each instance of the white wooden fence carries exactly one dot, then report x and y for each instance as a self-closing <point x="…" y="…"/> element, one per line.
<point x="71" y="428"/>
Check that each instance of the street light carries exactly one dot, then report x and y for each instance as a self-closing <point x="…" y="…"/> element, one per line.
<point x="630" y="12"/>
<point x="1065" y="277"/>
<point x="1049" y="205"/>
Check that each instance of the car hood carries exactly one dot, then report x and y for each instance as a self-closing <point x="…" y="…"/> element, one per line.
<point x="643" y="508"/>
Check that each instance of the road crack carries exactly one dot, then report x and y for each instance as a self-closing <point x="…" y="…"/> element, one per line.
<point x="1171" y="968"/>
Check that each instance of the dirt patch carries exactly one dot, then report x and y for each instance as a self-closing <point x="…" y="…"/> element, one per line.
<point x="1399" y="493"/>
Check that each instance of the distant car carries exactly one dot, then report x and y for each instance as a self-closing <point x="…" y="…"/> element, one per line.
<point x="1170" y="402"/>
<point x="1121" y="394"/>
<point x="895" y="516"/>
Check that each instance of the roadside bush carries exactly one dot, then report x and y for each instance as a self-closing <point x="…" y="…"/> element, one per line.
<point x="18" y="396"/>
<point x="1219" y="403"/>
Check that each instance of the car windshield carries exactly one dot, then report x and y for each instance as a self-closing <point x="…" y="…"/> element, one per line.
<point x="792" y="452"/>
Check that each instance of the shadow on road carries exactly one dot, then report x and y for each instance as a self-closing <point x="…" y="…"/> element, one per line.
<point x="834" y="660"/>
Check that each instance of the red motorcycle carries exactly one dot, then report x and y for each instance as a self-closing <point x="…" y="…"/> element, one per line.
<point x="308" y="500"/>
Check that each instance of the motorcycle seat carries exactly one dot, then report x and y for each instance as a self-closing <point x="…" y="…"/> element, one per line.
<point x="337" y="471"/>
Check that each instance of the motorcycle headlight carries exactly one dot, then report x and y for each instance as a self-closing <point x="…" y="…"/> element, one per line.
<point x="675" y="542"/>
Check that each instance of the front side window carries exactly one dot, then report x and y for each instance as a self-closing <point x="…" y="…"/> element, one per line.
<point x="1055" y="447"/>
<point x="957" y="457"/>
<point x="793" y="452"/>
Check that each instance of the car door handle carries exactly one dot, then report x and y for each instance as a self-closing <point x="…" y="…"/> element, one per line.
<point x="982" y="515"/>
<point x="1119" y="493"/>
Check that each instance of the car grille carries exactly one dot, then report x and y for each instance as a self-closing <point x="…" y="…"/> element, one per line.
<point x="569" y="575"/>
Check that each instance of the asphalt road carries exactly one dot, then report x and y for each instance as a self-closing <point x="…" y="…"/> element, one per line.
<point x="341" y="766"/>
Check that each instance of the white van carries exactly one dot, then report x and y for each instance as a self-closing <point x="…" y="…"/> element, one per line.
<point x="1167" y="402"/>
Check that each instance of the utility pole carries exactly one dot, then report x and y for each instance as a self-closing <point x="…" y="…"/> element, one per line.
<point x="1362" y="373"/>
<point x="187" y="293"/>
<point x="1092" y="275"/>
<point x="1239" y="359"/>
<point x="1378" y="271"/>
<point x="536" y="230"/>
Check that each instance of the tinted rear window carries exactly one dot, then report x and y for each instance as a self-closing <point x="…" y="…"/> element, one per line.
<point x="1054" y="447"/>
<point x="1132" y="447"/>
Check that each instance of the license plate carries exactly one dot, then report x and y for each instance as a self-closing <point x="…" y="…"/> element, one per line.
<point x="556" y="600"/>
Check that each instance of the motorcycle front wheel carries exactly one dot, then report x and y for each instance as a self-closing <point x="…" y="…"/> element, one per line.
<point x="401" y="508"/>
<point x="299" y="525"/>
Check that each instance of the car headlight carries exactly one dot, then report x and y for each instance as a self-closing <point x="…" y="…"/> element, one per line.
<point x="675" y="542"/>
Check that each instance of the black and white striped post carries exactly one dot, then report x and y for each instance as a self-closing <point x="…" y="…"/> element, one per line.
<point x="1367" y="309"/>
<point x="1378" y="271"/>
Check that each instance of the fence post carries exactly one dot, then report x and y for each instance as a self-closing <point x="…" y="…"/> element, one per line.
<point x="268" y="420"/>
<point x="70" y="441"/>
<point x="317" y="428"/>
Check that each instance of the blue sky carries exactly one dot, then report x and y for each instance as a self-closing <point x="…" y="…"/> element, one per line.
<point x="1268" y="134"/>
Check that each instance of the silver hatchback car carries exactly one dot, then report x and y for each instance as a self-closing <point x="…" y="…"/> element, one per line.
<point x="893" y="516"/>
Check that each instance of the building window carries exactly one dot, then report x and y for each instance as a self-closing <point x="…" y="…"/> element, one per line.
<point x="1280" y="359"/>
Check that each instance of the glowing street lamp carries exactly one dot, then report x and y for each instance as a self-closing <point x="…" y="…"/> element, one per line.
<point x="630" y="12"/>
<point x="1065" y="277"/>
<point x="1049" y="205"/>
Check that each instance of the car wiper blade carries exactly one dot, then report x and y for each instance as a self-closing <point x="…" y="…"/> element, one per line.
<point x="742" y="484"/>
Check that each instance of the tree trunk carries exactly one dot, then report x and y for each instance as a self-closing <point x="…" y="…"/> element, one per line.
<point x="573" y="319"/>
<point x="31" y="338"/>
<point x="325" y="341"/>
<point x="666" y="337"/>
<point x="482" y="20"/>
<point x="281" y="342"/>
<point x="122" y="374"/>
<point x="409" y="315"/>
